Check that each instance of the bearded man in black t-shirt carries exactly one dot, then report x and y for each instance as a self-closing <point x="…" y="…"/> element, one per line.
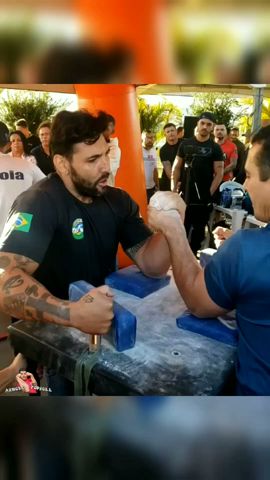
<point x="197" y="174"/>
<point x="68" y="228"/>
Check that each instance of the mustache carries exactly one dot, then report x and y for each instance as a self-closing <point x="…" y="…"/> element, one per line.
<point x="105" y="176"/>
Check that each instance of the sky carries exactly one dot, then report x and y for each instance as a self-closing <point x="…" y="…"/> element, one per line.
<point x="70" y="98"/>
<point x="181" y="101"/>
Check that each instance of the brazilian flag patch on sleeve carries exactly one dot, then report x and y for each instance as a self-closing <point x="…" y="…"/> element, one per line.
<point x="23" y="222"/>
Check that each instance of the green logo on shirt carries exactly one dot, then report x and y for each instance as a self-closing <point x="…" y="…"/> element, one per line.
<point x="23" y="221"/>
<point x="77" y="229"/>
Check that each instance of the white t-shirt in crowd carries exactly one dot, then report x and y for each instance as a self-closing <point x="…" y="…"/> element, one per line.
<point x="114" y="156"/>
<point x="29" y="158"/>
<point x="150" y="163"/>
<point x="16" y="176"/>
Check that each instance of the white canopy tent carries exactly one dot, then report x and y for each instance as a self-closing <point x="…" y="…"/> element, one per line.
<point x="256" y="91"/>
<point x="150" y="89"/>
<point x="183" y="89"/>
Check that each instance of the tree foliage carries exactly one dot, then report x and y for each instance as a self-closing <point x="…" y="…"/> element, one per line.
<point x="19" y="38"/>
<point x="154" y="117"/>
<point x="221" y="105"/>
<point x="35" y="107"/>
<point x="246" y="119"/>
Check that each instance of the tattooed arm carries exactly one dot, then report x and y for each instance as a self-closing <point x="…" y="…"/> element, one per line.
<point x="152" y="255"/>
<point x="23" y="297"/>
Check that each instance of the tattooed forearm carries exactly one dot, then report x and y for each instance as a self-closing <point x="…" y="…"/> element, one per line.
<point x="12" y="282"/>
<point x="131" y="252"/>
<point x="22" y="305"/>
<point x="29" y="314"/>
<point x="24" y="297"/>
<point x="14" y="304"/>
<point x="32" y="290"/>
<point x="41" y="308"/>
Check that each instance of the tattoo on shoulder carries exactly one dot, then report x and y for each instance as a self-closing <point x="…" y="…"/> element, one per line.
<point x="132" y="252"/>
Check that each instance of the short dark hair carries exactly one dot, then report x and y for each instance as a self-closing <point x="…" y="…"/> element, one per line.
<point x="21" y="123"/>
<point x="222" y="123"/>
<point x="23" y="139"/>
<point x="169" y="125"/>
<point x="4" y="135"/>
<point x="106" y="118"/>
<point x="180" y="129"/>
<point x="262" y="159"/>
<point x="69" y="128"/>
<point x="147" y="132"/>
<point x="110" y="118"/>
<point x="234" y="128"/>
<point x="44" y="124"/>
<point x="208" y="116"/>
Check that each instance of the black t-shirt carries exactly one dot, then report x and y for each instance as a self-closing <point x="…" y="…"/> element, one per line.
<point x="242" y="155"/>
<point x="168" y="153"/>
<point x="32" y="142"/>
<point x="69" y="239"/>
<point x="198" y="169"/>
<point x="44" y="161"/>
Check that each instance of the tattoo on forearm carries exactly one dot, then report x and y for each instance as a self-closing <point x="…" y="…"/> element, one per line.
<point x="131" y="252"/>
<point x="41" y="308"/>
<point x="12" y="282"/>
<point x="4" y="262"/>
<point x="29" y="314"/>
<point x="32" y="290"/>
<point x="28" y="303"/>
<point x="14" y="304"/>
<point x="45" y="296"/>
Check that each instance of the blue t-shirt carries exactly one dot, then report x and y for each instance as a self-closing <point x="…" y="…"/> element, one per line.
<point x="238" y="276"/>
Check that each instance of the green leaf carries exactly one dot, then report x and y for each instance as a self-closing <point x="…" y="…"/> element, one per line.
<point x="35" y="107"/>
<point x="221" y="105"/>
<point x="154" y="117"/>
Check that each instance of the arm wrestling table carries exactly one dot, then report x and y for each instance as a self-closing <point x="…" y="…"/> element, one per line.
<point x="237" y="216"/>
<point x="166" y="360"/>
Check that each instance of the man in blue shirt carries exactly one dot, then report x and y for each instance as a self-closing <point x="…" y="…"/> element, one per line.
<point x="237" y="275"/>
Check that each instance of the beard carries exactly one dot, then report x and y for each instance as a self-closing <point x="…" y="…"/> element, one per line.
<point x="86" y="188"/>
<point x="204" y="133"/>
